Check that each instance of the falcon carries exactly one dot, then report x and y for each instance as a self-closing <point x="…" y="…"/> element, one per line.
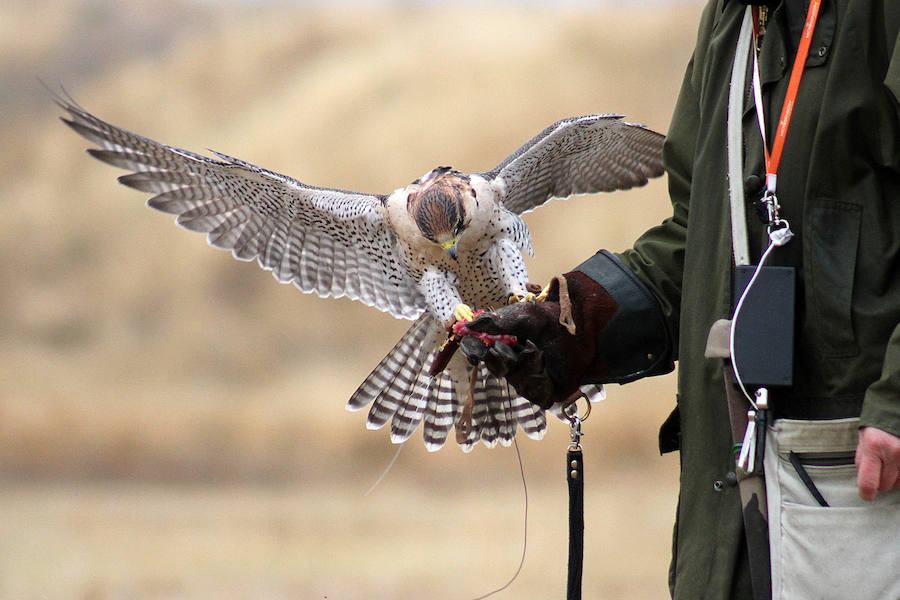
<point x="432" y="251"/>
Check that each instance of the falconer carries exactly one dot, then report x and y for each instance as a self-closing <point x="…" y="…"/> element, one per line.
<point x="837" y="187"/>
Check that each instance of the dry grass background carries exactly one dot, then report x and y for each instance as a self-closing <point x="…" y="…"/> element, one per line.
<point x="171" y="420"/>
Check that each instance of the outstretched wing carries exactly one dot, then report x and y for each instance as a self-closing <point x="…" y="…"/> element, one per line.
<point x="579" y="155"/>
<point x="330" y="242"/>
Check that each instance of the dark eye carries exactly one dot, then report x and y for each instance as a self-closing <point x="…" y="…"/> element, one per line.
<point x="459" y="227"/>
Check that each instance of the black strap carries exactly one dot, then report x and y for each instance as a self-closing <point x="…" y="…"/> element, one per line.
<point x="806" y="479"/>
<point x="575" y="477"/>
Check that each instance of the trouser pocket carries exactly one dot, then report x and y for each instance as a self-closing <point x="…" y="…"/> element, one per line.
<point x="826" y="542"/>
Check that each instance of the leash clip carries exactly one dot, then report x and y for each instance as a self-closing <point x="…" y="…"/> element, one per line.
<point x="575" y="432"/>
<point x="575" y="422"/>
<point x="779" y="229"/>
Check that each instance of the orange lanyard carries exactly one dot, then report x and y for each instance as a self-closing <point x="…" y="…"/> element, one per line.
<point x="773" y="159"/>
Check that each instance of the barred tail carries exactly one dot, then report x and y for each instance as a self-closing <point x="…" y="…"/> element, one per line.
<point x="401" y="391"/>
<point x="399" y="387"/>
<point x="497" y="411"/>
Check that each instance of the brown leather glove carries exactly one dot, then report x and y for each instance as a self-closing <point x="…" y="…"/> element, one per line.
<point x="619" y="334"/>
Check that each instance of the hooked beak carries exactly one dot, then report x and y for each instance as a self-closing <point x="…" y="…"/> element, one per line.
<point x="450" y="248"/>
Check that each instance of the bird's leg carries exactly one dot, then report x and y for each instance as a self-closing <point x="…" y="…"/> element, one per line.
<point x="544" y="293"/>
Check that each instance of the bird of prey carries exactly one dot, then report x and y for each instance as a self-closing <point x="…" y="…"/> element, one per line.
<point x="431" y="251"/>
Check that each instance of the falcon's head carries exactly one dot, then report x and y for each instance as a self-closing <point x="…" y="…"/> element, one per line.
<point x="438" y="207"/>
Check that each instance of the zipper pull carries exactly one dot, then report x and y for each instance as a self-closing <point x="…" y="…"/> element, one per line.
<point x="747" y="458"/>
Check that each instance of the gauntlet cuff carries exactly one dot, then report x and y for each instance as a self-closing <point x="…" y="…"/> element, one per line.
<point x="635" y="343"/>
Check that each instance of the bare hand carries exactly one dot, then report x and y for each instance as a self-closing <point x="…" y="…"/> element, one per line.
<point x="878" y="462"/>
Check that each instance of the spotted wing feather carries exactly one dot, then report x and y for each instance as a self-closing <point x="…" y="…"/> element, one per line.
<point x="579" y="155"/>
<point x="325" y="241"/>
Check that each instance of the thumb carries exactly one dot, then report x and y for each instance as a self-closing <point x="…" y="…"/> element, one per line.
<point x="868" y="463"/>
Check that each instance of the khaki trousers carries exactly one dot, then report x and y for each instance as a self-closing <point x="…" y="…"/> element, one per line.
<point x="850" y="549"/>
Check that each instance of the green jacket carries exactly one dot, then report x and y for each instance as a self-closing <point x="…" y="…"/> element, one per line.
<point x="839" y="187"/>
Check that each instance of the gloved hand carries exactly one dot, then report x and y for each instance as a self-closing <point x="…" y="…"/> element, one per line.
<point x="553" y="356"/>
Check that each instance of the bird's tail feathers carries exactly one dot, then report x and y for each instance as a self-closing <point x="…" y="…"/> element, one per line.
<point x="497" y="411"/>
<point x="399" y="386"/>
<point x="402" y="391"/>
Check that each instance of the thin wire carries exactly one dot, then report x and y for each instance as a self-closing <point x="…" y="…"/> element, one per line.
<point x="387" y="470"/>
<point x="524" y="535"/>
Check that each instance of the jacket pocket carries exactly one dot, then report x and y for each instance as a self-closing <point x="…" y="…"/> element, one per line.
<point x="831" y="248"/>
<point x="840" y="552"/>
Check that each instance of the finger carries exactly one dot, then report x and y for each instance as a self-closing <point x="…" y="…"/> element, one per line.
<point x="501" y="360"/>
<point x="473" y="347"/>
<point x="868" y="475"/>
<point x="878" y="451"/>
<point x="505" y="352"/>
<point x="495" y="363"/>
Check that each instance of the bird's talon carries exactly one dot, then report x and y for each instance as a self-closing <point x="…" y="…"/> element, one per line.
<point x="463" y="312"/>
<point x="527" y="297"/>
<point x="543" y="295"/>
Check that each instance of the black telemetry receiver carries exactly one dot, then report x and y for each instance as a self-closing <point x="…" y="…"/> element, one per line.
<point x="764" y="331"/>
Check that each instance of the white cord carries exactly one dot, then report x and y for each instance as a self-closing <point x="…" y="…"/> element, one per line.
<point x="386" y="469"/>
<point x="515" y="576"/>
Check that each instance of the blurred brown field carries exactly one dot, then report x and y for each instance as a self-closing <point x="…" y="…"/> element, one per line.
<point x="171" y="420"/>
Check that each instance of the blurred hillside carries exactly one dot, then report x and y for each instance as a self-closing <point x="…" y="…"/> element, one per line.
<point x="133" y="354"/>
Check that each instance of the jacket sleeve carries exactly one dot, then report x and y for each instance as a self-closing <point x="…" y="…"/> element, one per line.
<point x="635" y="342"/>
<point x="881" y="406"/>
<point x="892" y="33"/>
